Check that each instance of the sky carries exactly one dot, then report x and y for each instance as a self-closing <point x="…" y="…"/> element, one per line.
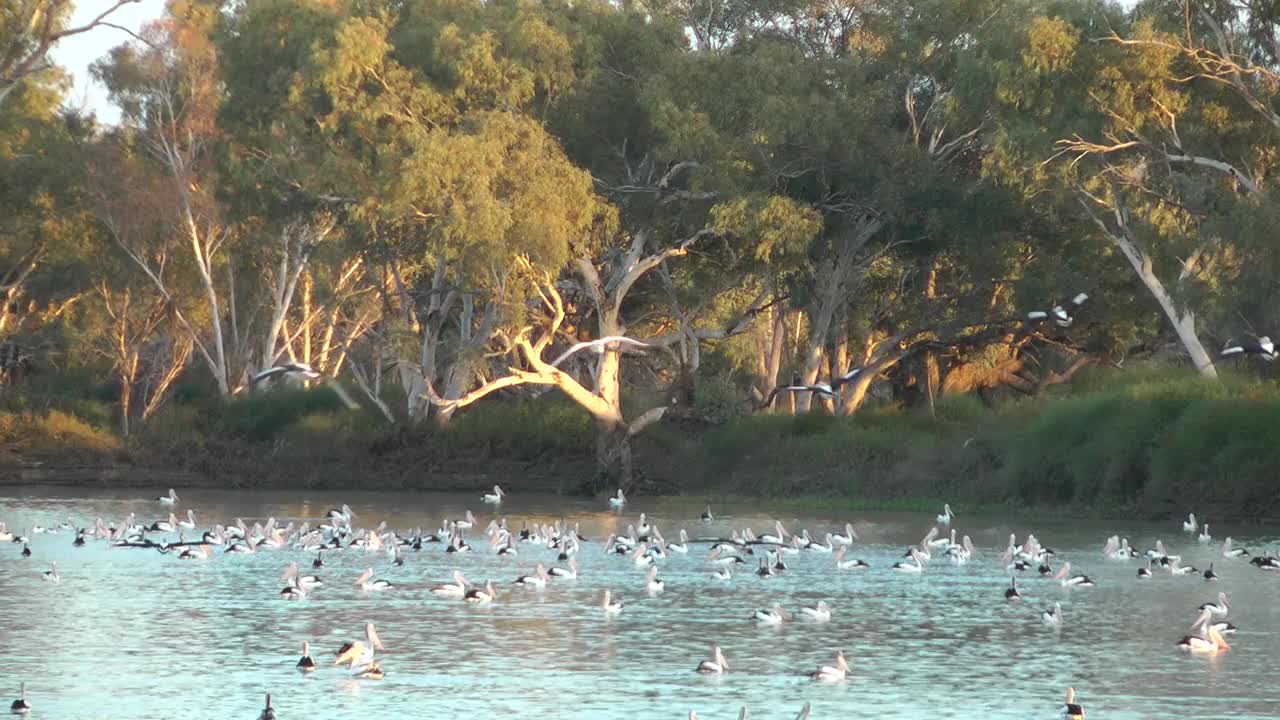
<point x="78" y="52"/>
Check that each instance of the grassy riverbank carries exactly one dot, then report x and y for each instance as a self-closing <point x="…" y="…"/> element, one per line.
<point x="1147" y="443"/>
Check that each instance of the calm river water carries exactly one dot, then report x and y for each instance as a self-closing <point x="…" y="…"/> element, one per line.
<point x="134" y="634"/>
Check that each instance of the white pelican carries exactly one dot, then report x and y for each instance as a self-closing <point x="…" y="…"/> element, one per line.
<point x="1012" y="593"/>
<point x="722" y="573"/>
<point x="1070" y="710"/>
<point x="52" y="573"/>
<point x="779" y="539"/>
<point x="190" y="522"/>
<point x="267" y="713"/>
<point x="706" y="515"/>
<point x="570" y="573"/>
<point x="305" y="663"/>
<point x="818" y="613"/>
<point x="1204" y="538"/>
<point x="457" y="588"/>
<point x="1210" y="575"/>
<point x="1069" y="580"/>
<point x="1189" y="527"/>
<point x="717" y="663"/>
<point x="943" y="541"/>
<point x="842" y="564"/>
<point x="945" y="517"/>
<point x="1052" y="617"/>
<point x="368" y="584"/>
<point x="170" y="499"/>
<point x="481" y="596"/>
<point x="775" y="616"/>
<point x="467" y="522"/>
<point x="618" y="500"/>
<point x="910" y="567"/>
<point x="494" y="497"/>
<point x="1145" y="572"/>
<point x="21" y="706"/>
<point x="845" y="538"/>
<point x="537" y="580"/>
<point x="289" y="370"/>
<point x="1232" y="552"/>
<point x="1176" y="568"/>
<point x="1219" y="609"/>
<point x="653" y="585"/>
<point x="611" y="606"/>
<point x="360" y="654"/>
<point x="831" y="673"/>
<point x="599" y="346"/>
<point x="1211" y="643"/>
<point x="681" y="547"/>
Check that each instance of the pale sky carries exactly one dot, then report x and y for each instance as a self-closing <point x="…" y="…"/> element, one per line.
<point x="78" y="52"/>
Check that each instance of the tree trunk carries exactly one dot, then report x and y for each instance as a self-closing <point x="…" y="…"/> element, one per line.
<point x="614" y="467"/>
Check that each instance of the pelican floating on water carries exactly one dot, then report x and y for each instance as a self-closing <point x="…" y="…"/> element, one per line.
<point x="618" y="500"/>
<point x="1190" y="526"/>
<point x="52" y="573"/>
<point x="1069" y="580"/>
<point x="457" y="588"/>
<point x="1070" y="710"/>
<point x="495" y="497"/>
<point x="305" y="663"/>
<point x="170" y="499"/>
<point x="774" y="616"/>
<point x="1012" y="592"/>
<point x="1052" y="617"/>
<point x="915" y="566"/>
<point x="945" y="517"/>
<point x="716" y="664"/>
<point x="1211" y="643"/>
<point x="21" y="706"/>
<point x="842" y="564"/>
<point x="832" y="673"/>
<point x="611" y="605"/>
<point x="481" y="596"/>
<point x="1218" y="609"/>
<point x="267" y="713"/>
<point x="368" y="584"/>
<point x="359" y="654"/>
<point x="818" y="613"/>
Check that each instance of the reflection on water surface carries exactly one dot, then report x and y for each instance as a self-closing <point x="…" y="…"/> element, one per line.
<point x="135" y="634"/>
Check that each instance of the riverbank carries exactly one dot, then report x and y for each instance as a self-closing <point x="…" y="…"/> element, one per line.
<point x="1142" y="444"/>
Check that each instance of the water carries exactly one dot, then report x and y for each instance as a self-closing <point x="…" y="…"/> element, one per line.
<point x="135" y="634"/>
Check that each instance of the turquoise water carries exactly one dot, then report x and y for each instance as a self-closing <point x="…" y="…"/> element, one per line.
<point x="135" y="634"/>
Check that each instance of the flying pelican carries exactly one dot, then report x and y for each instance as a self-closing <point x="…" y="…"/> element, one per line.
<point x="598" y="346"/>
<point x="1262" y="347"/>
<point x="717" y="663"/>
<point x="832" y="673"/>
<point x="292" y="369"/>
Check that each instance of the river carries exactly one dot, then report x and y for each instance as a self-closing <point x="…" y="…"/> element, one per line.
<point x="135" y="634"/>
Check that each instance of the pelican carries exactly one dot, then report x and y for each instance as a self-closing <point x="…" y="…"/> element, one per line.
<point x="818" y="613"/>
<point x="654" y="585"/>
<point x="570" y="573"/>
<point x="1233" y="552"/>
<point x="910" y="567"/>
<point x="537" y="580"/>
<point x="779" y="539"/>
<point x="599" y="346"/>
<point x="1072" y="711"/>
<point x="845" y="538"/>
<point x="1189" y="527"/>
<point x="831" y="673"/>
<point x="681" y="547"/>
<point x="286" y="370"/>
<point x="52" y="573"/>
<point x="305" y="663"/>
<point x="1211" y="643"/>
<point x="842" y="564"/>
<point x="722" y="573"/>
<point x="368" y="584"/>
<point x="1176" y="568"/>
<point x="457" y="588"/>
<point x="481" y="596"/>
<point x="706" y="515"/>
<point x="775" y="616"/>
<point x="495" y="497"/>
<point x="170" y="499"/>
<point x="1144" y="573"/>
<point x="21" y="706"/>
<point x="302" y="581"/>
<point x="1052" y="617"/>
<point x="360" y="654"/>
<point x="1218" y="609"/>
<point x="267" y="712"/>
<point x="1210" y="575"/>
<point x="1204" y="538"/>
<point x="945" y="517"/>
<point x="717" y="663"/>
<point x="611" y="605"/>
<point x="467" y="522"/>
<point x="1012" y="593"/>
<point x="618" y="500"/>
<point x="1069" y="580"/>
<point x="189" y="523"/>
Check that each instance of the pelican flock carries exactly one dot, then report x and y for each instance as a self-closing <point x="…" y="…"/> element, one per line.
<point x="642" y="547"/>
